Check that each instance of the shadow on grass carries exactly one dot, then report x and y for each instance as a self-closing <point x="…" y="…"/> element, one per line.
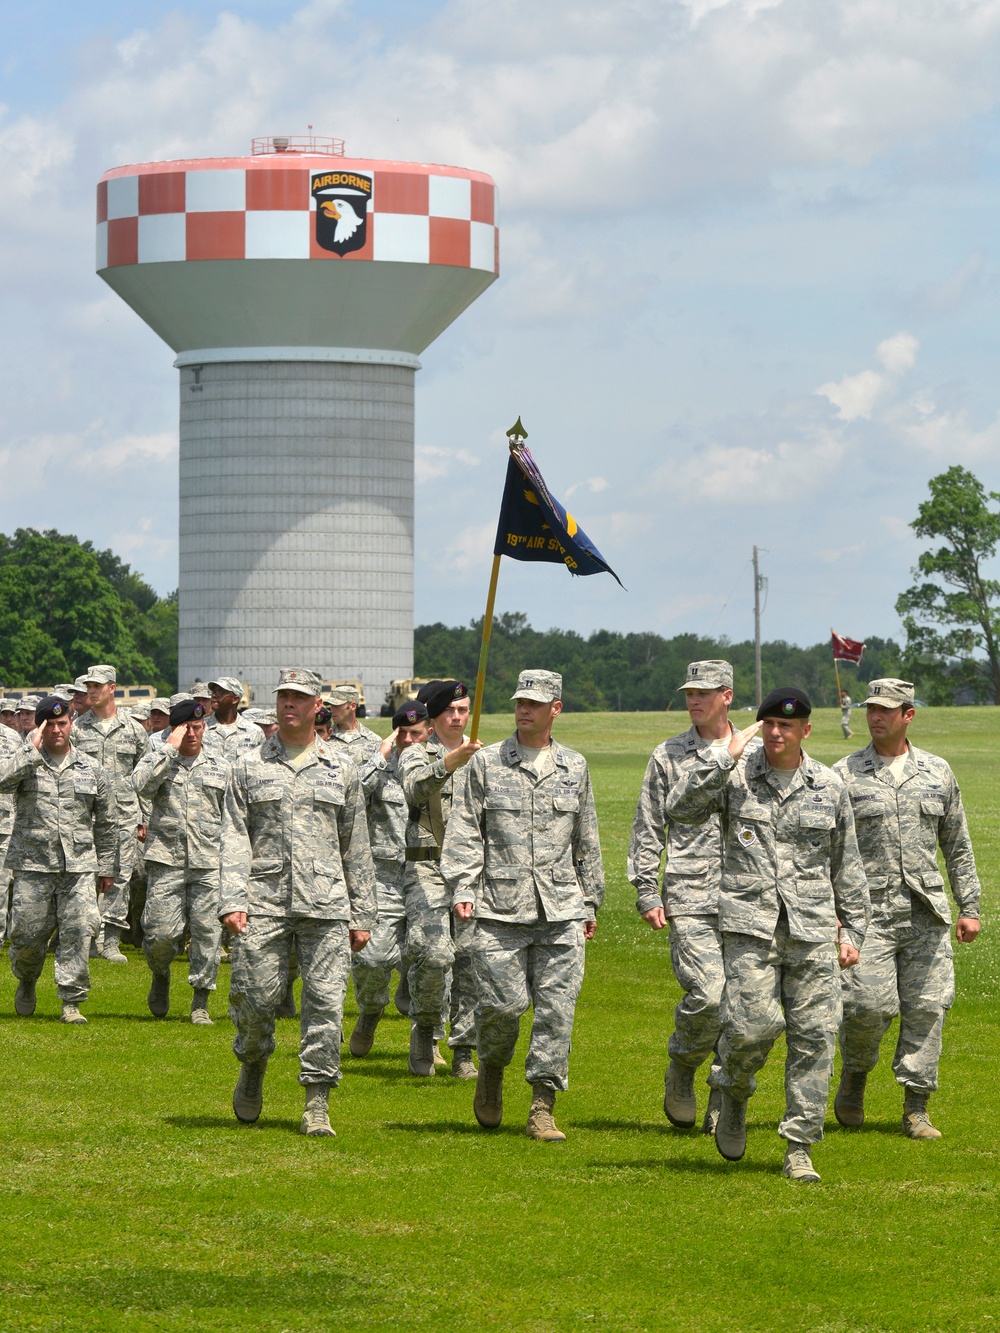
<point x="229" y="1122"/>
<point x="453" y="1127"/>
<point x="890" y="1127"/>
<point x="695" y="1166"/>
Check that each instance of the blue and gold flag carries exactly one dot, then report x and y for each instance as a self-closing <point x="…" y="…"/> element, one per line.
<point x="534" y="525"/>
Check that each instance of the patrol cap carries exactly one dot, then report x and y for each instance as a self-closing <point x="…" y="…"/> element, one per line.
<point x="890" y="693"/>
<point x="50" y="707"/>
<point x="180" y="697"/>
<point x="187" y="710"/>
<point x="200" y="691"/>
<point x="436" y="695"/>
<point x="266" y="717"/>
<point x="100" y="675"/>
<point x="80" y="685"/>
<point x="542" y="686"/>
<point x="159" y="705"/>
<point x="712" y="674"/>
<point x="140" y="710"/>
<point x="252" y="714"/>
<point x="303" y="682"/>
<point x="786" y="701"/>
<point x="64" y="692"/>
<point x="229" y="684"/>
<point x="29" y="703"/>
<point x="410" y="714"/>
<point x="8" y="705"/>
<point x="344" y="694"/>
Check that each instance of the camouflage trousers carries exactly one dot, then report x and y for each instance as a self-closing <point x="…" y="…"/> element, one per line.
<point x="180" y="900"/>
<point x="114" y="907"/>
<point x="540" y="966"/>
<point x="372" y="967"/>
<point x="260" y="979"/>
<point x="696" y="958"/>
<point x="905" y="970"/>
<point x="774" y="986"/>
<point x="440" y="950"/>
<point x="40" y="903"/>
<point x="6" y="882"/>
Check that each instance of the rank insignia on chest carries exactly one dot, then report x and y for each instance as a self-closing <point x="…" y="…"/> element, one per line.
<point x="747" y="836"/>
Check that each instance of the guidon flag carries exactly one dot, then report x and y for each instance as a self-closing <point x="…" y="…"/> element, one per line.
<point x="534" y="526"/>
<point x="846" y="650"/>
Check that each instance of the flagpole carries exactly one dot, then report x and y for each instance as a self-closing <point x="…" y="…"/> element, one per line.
<point x="484" y="648"/>
<point x="836" y="671"/>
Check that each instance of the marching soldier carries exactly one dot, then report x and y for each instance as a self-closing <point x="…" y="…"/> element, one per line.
<point x="791" y="873"/>
<point x="184" y="786"/>
<point x="372" y="967"/>
<point x="428" y="776"/>
<point x="296" y="872"/>
<point x="522" y="851"/>
<point x="688" y="897"/>
<point x="116" y="742"/>
<point x="906" y="805"/>
<point x="64" y="834"/>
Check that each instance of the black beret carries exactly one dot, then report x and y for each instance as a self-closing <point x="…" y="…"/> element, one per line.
<point x="427" y="689"/>
<point x="786" y="701"/>
<point x="50" y="707"/>
<point x="188" y="710"/>
<point x="443" y="693"/>
<point x="323" y="716"/>
<point x="410" y="714"/>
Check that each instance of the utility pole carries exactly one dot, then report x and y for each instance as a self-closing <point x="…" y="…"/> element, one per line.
<point x="757" y="583"/>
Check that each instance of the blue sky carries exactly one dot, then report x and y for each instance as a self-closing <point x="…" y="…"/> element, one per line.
<point x="748" y="290"/>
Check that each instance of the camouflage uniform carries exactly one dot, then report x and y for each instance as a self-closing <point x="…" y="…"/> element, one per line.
<point x="10" y="743"/>
<point x="295" y="858"/>
<point x="689" y="894"/>
<point x="906" y="964"/>
<point x="64" y="836"/>
<point x="362" y="744"/>
<point x="185" y="802"/>
<point x="522" y="844"/>
<point x="372" y="966"/>
<point x="791" y="869"/>
<point x="117" y="748"/>
<point x="437" y="957"/>
<point x="230" y="742"/>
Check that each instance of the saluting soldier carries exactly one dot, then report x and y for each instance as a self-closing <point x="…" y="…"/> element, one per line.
<point x="522" y="853"/>
<point x="64" y="834"/>
<point x="906" y="805"/>
<point x="792" y="905"/>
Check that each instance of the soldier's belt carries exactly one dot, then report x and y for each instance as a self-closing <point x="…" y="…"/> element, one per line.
<point x="423" y="854"/>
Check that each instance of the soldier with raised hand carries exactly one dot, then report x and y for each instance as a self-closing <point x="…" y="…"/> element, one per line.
<point x="296" y="873"/>
<point x="688" y="896"/>
<point x="183" y="786"/>
<point x="793" y="903"/>
<point x="522" y="852"/>
<point x="372" y="967"/>
<point x="65" y="833"/>
<point x="906" y="805"/>
<point x="430" y="777"/>
<point x="116" y="742"/>
<point x="226" y="730"/>
<point x="360" y="741"/>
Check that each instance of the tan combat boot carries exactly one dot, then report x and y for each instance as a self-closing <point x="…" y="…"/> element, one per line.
<point x="25" y="998"/>
<point x="71" y="1013"/>
<point x="158" y="998"/>
<point x="798" y="1164"/>
<point x="916" y="1121"/>
<point x="679" y="1105"/>
<point x="248" y="1096"/>
<point x="364" y="1033"/>
<point x="488" y="1101"/>
<point x="316" y="1117"/>
<point x="849" y="1103"/>
<point x="461" y="1063"/>
<point x="422" y="1048"/>
<point x="541" y="1125"/>
<point x="712" y="1111"/>
<point x="110" y="951"/>
<point x="731" y="1131"/>
<point x="199" y="1009"/>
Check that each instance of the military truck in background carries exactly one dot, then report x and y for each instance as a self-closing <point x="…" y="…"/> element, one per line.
<point x="402" y="692"/>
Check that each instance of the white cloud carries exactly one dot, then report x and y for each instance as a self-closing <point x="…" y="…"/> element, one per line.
<point x="431" y="462"/>
<point x="593" y="484"/>
<point x="471" y="551"/>
<point x="856" y="395"/>
<point x="740" y="474"/>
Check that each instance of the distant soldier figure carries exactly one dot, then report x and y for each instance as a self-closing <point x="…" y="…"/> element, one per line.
<point x="845" y="714"/>
<point x="159" y="715"/>
<point x="65" y="833"/>
<point x="116" y="742"/>
<point x="80" y="701"/>
<point x="372" y="967"/>
<point x="793" y="903"/>
<point x="430" y="777"/>
<point x="9" y="716"/>
<point x="522" y="851"/>
<point x="183" y="786"/>
<point x="688" y="897"/>
<point x="26" y="714"/>
<point x="906" y="805"/>
<point x="296" y="873"/>
<point x="227" y="731"/>
<point x="361" y="742"/>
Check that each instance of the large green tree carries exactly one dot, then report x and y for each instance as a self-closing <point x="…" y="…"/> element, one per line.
<point x="953" y="612"/>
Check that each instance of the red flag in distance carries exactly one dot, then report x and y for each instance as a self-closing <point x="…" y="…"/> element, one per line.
<point x="846" y="650"/>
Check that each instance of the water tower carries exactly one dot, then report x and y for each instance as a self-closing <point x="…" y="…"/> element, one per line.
<point x="297" y="287"/>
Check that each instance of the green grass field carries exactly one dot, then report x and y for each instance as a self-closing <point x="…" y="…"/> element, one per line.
<point x="131" y="1199"/>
